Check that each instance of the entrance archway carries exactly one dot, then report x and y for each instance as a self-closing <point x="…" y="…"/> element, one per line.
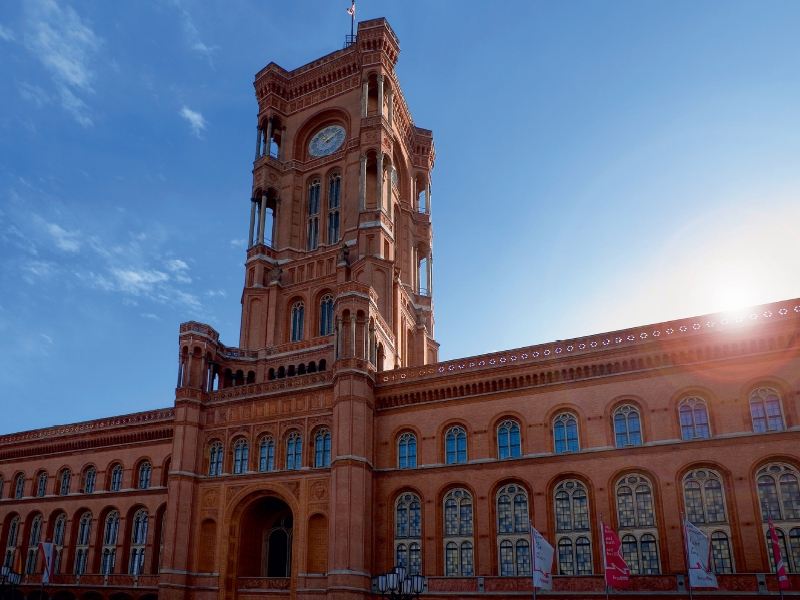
<point x="267" y="532"/>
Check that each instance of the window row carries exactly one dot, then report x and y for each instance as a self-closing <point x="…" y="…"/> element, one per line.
<point x="77" y="562"/>
<point x="705" y="504"/>
<point x="314" y="211"/>
<point x="765" y="407"/>
<point x="88" y="481"/>
<point x="266" y="458"/>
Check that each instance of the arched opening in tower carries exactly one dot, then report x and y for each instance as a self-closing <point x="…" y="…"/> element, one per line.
<point x="267" y="536"/>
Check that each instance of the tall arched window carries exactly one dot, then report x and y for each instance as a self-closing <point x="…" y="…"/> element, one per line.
<point x="627" y="426"/>
<point x="334" y="201"/>
<point x="458" y="543"/>
<point x="19" y="484"/>
<point x="313" y="215"/>
<point x="294" y="451"/>
<point x="82" y="543"/>
<point x="455" y="446"/>
<point x="508" y="442"/>
<point x="298" y="312"/>
<point x="565" y="433"/>
<point x="89" y="480"/>
<point x="11" y="541"/>
<point x="573" y="533"/>
<point x="407" y="451"/>
<point x="116" y="478"/>
<point x="408" y="533"/>
<point x="704" y="498"/>
<point x="513" y="532"/>
<point x="110" y="536"/>
<point x="59" y="529"/>
<point x="41" y="485"/>
<point x="637" y="524"/>
<point x="240" y="453"/>
<point x="266" y="457"/>
<point x="215" y="459"/>
<point x="779" y="495"/>
<point x="326" y="315"/>
<point x="322" y="448"/>
<point x="64" y="481"/>
<point x="33" y="545"/>
<point x="693" y="413"/>
<point x="138" y="542"/>
<point x="145" y="471"/>
<point x="765" y="409"/>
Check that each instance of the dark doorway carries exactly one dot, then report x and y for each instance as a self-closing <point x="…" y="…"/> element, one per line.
<point x="267" y="535"/>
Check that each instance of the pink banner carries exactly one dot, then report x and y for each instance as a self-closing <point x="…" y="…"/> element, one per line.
<point x="617" y="573"/>
<point x="780" y="567"/>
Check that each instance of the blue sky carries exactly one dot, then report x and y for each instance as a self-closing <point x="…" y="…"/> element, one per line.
<point x="600" y="165"/>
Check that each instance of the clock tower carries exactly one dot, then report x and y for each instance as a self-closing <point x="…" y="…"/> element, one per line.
<point x="340" y="239"/>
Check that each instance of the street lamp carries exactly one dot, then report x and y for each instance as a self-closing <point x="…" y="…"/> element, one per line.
<point x="396" y="586"/>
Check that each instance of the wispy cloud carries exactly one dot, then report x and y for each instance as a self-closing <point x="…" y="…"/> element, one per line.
<point x="66" y="47"/>
<point x="6" y="34"/>
<point x="196" y="121"/>
<point x="34" y="93"/>
<point x="212" y="293"/>
<point x="193" y="35"/>
<point x="237" y="243"/>
<point x="150" y="316"/>
<point x="65" y="240"/>
<point x="179" y="268"/>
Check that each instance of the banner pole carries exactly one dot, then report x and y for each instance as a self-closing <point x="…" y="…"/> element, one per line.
<point x="533" y="569"/>
<point x="686" y="554"/>
<point x="603" y="541"/>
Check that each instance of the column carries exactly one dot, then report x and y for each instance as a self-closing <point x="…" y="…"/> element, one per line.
<point x="268" y="141"/>
<point x="364" y="98"/>
<point x="380" y="95"/>
<point x="365" y="341"/>
<point x="371" y="343"/>
<point x="428" y="198"/>
<point x="258" y="142"/>
<point x="379" y="160"/>
<point x="252" y="221"/>
<point x="336" y="342"/>
<point x="339" y="343"/>
<point x="362" y="184"/>
<point x="353" y="331"/>
<point x="262" y="216"/>
<point x="180" y="370"/>
<point x="414" y="196"/>
<point x="429" y="273"/>
<point x="391" y="106"/>
<point x="275" y="216"/>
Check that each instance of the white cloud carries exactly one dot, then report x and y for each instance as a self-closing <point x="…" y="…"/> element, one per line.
<point x="65" y="46"/>
<point x="212" y="293"/>
<point x="237" y="243"/>
<point x="34" y="94"/>
<point x="193" y="35"/>
<point x="196" y="120"/>
<point x="47" y="338"/>
<point x="150" y="316"/>
<point x="66" y="240"/>
<point x="136" y="281"/>
<point x="6" y="34"/>
<point x="176" y="265"/>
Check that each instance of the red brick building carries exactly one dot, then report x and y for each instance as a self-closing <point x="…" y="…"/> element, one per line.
<point x="331" y="444"/>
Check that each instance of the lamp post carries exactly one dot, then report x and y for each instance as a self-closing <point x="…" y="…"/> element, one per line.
<point x="396" y="586"/>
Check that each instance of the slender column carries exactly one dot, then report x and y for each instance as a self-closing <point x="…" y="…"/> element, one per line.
<point x="336" y="342"/>
<point x="262" y="217"/>
<point x="364" y="98"/>
<point x="353" y="331"/>
<point x="428" y="198"/>
<point x="380" y="180"/>
<point x="268" y="141"/>
<point x="258" y="142"/>
<point x="429" y="265"/>
<point x="414" y="196"/>
<point x="180" y="370"/>
<point x="391" y="107"/>
<point x="275" y="217"/>
<point x="252" y="221"/>
<point x="339" y="336"/>
<point x="365" y="341"/>
<point x="371" y="344"/>
<point x="380" y="95"/>
<point x="362" y="184"/>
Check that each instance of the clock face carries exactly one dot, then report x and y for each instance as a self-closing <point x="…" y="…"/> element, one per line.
<point x="327" y="141"/>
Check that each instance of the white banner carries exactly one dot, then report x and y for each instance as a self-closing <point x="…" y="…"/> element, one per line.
<point x="698" y="556"/>
<point x="47" y="553"/>
<point x="542" y="561"/>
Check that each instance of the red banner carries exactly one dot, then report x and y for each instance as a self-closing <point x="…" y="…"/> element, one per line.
<point x="780" y="567"/>
<point x="617" y="573"/>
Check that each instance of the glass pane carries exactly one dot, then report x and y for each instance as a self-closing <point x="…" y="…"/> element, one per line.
<point x="523" y="559"/>
<point x="451" y="449"/>
<point x="560" y="436"/>
<point x="415" y="520"/>
<point x="644" y="506"/>
<point x="465" y="518"/>
<point x="649" y="555"/>
<point x="794" y="546"/>
<point x="450" y="517"/>
<point x="759" y="416"/>
<point x="694" y="502"/>
<point x="630" y="553"/>
<point x="563" y="512"/>
<point x="621" y="430"/>
<point x="583" y="555"/>
<point x="701" y="421"/>
<point x="768" y="496"/>
<point x="687" y="423"/>
<point x="506" y="559"/>
<point x="566" y="561"/>
<point x="625" y="512"/>
<point x="467" y="567"/>
<point x="402" y="461"/>
<point x="504" y="515"/>
<point x="402" y="520"/>
<point x="774" y="419"/>
<point x="451" y="560"/>
<point x="414" y="559"/>
<point x="462" y="447"/>
<point x="790" y="497"/>
<point x="715" y="504"/>
<point x="521" y="514"/>
<point x="502" y="442"/>
<point x="402" y="556"/>
<point x="721" y="553"/>
<point x="515" y="442"/>
<point x="634" y="429"/>
<point x="572" y="436"/>
<point x="412" y="452"/>
<point x="580" y="504"/>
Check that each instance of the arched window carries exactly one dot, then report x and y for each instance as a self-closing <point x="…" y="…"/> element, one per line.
<point x="326" y="315"/>
<point x="513" y="532"/>
<point x="116" y="478"/>
<point x="294" y="451"/>
<point x="82" y="543"/>
<point x="455" y="446"/>
<point x="313" y="215"/>
<point x="11" y="542"/>
<point x="693" y="413"/>
<point x="637" y="520"/>
<point x="407" y="451"/>
<point x="266" y="457"/>
<point x="18" y="486"/>
<point x="215" y="459"/>
<point x="41" y="485"/>
<point x="298" y="311"/>
<point x="66" y="477"/>
<point x="573" y="534"/>
<point x="138" y="542"/>
<point x="408" y="533"/>
<point x="704" y="498"/>
<point x="240" y="452"/>
<point x="145" y="471"/>
<point x="627" y="426"/>
<point x="33" y="545"/>
<point x="58" y="541"/>
<point x="565" y="433"/>
<point x="779" y="496"/>
<point x="765" y="409"/>
<point x="322" y="448"/>
<point x="334" y="201"/>
<point x="458" y="542"/>
<point x="110" y="536"/>
<point x="508" y="443"/>
<point x="89" y="480"/>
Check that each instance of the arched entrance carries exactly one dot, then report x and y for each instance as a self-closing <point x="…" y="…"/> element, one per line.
<point x="265" y="549"/>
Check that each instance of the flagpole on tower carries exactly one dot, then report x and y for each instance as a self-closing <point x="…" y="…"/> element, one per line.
<point x="352" y="19"/>
<point x="686" y="554"/>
